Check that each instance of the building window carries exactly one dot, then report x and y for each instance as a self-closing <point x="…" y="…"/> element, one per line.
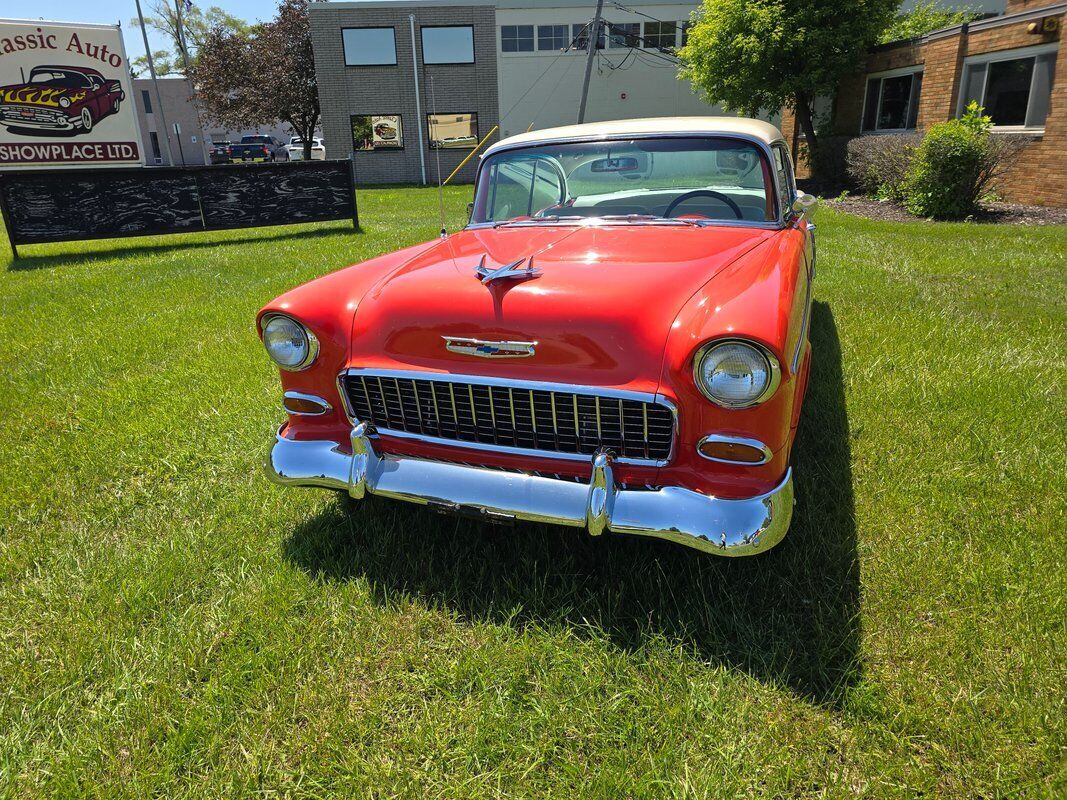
<point x="660" y="35"/>
<point x="627" y="34"/>
<point x="452" y="131"/>
<point x="1013" y="88"/>
<point x="377" y="132"/>
<point x="517" y="38"/>
<point x="580" y="37"/>
<point x="157" y="155"/>
<point x="369" y="47"/>
<point x="684" y="28"/>
<point x="552" y="37"/>
<point x="448" y="44"/>
<point x="892" y="101"/>
<point x="146" y="100"/>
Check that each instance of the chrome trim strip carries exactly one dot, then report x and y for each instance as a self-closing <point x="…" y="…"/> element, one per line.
<point x="311" y="398"/>
<point x="568" y="388"/>
<point x="470" y="347"/>
<point x="772" y="361"/>
<point x="711" y="524"/>
<point x="742" y="440"/>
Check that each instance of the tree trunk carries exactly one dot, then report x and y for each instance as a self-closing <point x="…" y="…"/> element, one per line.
<point x="802" y="108"/>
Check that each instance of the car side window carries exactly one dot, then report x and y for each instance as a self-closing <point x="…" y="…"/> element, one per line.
<point x="522" y="187"/>
<point x="783" y="168"/>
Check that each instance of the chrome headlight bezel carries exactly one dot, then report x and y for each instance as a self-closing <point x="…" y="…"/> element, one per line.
<point x="64" y="102"/>
<point x="312" y="343"/>
<point x="774" y="372"/>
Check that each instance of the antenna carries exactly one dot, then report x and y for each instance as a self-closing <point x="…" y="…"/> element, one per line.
<point x="437" y="151"/>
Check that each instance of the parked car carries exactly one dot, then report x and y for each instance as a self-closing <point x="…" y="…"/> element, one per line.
<point x="219" y="152"/>
<point x="72" y="99"/>
<point x="295" y="149"/>
<point x="273" y="145"/>
<point x="245" y="153"/>
<point x="617" y="341"/>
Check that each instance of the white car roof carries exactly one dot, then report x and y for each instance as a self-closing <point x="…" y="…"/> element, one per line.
<point x="754" y="128"/>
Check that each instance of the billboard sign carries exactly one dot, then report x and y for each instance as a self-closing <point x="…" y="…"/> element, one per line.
<point x="66" y="98"/>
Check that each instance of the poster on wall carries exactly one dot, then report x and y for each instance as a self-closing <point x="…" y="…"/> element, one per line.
<point x="377" y="132"/>
<point x="66" y="97"/>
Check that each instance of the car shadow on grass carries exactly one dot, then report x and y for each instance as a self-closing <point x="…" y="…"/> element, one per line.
<point x="100" y="248"/>
<point x="789" y="616"/>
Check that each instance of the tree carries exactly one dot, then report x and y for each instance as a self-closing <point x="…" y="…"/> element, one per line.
<point x="186" y="28"/>
<point x="749" y="55"/>
<point x="244" y="81"/>
<point x="923" y="18"/>
<point x="162" y="60"/>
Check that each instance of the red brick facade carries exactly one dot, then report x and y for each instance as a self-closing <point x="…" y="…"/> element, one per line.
<point x="1040" y="171"/>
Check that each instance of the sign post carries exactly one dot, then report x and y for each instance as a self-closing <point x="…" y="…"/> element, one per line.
<point x="66" y="96"/>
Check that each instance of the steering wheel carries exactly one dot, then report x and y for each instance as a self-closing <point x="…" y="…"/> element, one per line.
<point x="704" y="193"/>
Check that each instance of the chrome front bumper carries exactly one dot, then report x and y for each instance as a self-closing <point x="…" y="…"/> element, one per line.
<point x="712" y="524"/>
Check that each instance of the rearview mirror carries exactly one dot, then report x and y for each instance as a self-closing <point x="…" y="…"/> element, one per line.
<point x="620" y="164"/>
<point x="804" y="202"/>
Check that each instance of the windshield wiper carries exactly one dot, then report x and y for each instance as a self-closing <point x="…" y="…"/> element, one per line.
<point x="538" y="220"/>
<point x="649" y="218"/>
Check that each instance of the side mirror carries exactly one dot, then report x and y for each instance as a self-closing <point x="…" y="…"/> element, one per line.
<point x="804" y="202"/>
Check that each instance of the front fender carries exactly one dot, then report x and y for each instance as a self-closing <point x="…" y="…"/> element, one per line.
<point x="756" y="298"/>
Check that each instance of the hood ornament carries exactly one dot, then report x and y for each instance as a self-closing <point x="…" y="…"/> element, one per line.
<point x="484" y="349"/>
<point x="512" y="271"/>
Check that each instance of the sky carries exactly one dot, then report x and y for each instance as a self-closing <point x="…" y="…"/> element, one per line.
<point x="112" y="11"/>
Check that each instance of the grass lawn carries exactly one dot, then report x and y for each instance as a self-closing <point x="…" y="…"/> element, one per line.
<point x="171" y="624"/>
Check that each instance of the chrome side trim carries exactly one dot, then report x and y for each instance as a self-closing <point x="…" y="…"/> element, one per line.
<point x="753" y="443"/>
<point x="326" y="407"/>
<point x="563" y="388"/>
<point x="712" y="524"/>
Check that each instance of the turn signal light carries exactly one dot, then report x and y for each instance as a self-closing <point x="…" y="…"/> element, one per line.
<point x="304" y="404"/>
<point x="733" y="451"/>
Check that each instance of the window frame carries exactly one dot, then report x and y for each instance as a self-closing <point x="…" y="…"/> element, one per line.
<point x="635" y="35"/>
<point x="988" y="59"/>
<point x="516" y="38"/>
<point x="344" y="50"/>
<point x="552" y="38"/>
<point x="400" y="122"/>
<point x="912" y="71"/>
<point x="429" y="128"/>
<point x="658" y="35"/>
<point x="422" y="46"/>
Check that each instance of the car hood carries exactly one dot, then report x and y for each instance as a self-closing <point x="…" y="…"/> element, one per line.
<point x="599" y="311"/>
<point x="38" y="95"/>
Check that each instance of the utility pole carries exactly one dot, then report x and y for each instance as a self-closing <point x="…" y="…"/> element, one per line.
<point x="155" y="87"/>
<point x="594" y="38"/>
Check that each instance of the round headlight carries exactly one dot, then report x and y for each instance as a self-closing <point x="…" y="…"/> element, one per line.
<point x="290" y="344"/>
<point x="736" y="374"/>
<point x="64" y="102"/>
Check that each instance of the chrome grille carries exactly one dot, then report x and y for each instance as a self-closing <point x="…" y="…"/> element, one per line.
<point x="527" y="416"/>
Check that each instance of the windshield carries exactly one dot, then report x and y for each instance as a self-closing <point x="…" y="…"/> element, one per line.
<point x="66" y="80"/>
<point x="694" y="179"/>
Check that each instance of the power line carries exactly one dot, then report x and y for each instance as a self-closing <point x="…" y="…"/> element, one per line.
<point x="537" y="80"/>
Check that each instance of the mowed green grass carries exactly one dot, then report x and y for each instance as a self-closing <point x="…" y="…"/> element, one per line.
<point x="173" y="625"/>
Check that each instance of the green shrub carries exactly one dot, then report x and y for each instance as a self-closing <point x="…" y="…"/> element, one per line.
<point x="951" y="167"/>
<point x="879" y="164"/>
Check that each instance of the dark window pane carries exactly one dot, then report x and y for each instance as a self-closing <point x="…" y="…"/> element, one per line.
<point x="516" y="38"/>
<point x="913" y="104"/>
<point x="870" y="108"/>
<point x="1008" y="90"/>
<point x="627" y="34"/>
<point x="147" y="101"/>
<point x="369" y="46"/>
<point x="1044" y="70"/>
<point x="893" y="110"/>
<point x="449" y="44"/>
<point x="660" y="35"/>
<point x="552" y="37"/>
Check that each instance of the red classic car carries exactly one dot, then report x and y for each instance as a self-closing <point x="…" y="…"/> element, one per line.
<point x="70" y="99"/>
<point x="617" y="341"/>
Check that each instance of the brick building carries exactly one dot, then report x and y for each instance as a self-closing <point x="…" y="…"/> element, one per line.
<point x="1010" y="64"/>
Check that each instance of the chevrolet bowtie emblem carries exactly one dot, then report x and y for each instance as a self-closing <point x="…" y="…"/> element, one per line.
<point x="512" y="271"/>
<point x="484" y="349"/>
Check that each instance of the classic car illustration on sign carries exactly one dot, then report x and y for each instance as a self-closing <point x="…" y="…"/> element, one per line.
<point x="617" y="341"/>
<point x="57" y="98"/>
